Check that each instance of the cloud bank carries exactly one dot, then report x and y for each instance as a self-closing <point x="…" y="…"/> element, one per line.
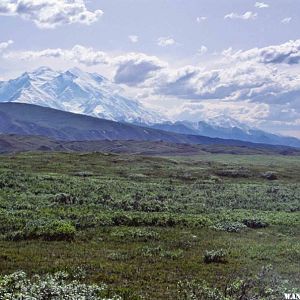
<point x="287" y="53"/>
<point x="252" y="86"/>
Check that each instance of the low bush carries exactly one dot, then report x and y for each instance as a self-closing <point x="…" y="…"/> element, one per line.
<point x="44" y="229"/>
<point x="254" y="224"/>
<point x="264" y="286"/>
<point x="234" y="173"/>
<point x="270" y="175"/>
<point x="137" y="234"/>
<point x="215" y="256"/>
<point x="65" y="199"/>
<point x="51" y="287"/>
<point x="119" y="256"/>
<point x="161" y="252"/>
<point x="230" y="226"/>
<point x="194" y="290"/>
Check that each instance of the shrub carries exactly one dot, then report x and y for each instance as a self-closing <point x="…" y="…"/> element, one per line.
<point x="58" y="286"/>
<point x="160" y="252"/>
<point x="65" y="199"/>
<point x="174" y="254"/>
<point x="215" y="256"/>
<point x="151" y="251"/>
<point x="15" y="236"/>
<point x="230" y="226"/>
<point x="84" y="174"/>
<point x="136" y="234"/>
<point x="193" y="290"/>
<point x="119" y="256"/>
<point x="264" y="286"/>
<point x="270" y="175"/>
<point x="45" y="229"/>
<point x="234" y="173"/>
<point x="252" y="223"/>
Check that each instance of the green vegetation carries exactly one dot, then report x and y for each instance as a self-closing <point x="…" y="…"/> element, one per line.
<point x="215" y="256"/>
<point x="141" y="226"/>
<point x="264" y="286"/>
<point x="57" y="286"/>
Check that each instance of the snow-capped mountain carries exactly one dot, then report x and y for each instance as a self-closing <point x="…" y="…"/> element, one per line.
<point x="227" y="128"/>
<point x="92" y="94"/>
<point x="75" y="91"/>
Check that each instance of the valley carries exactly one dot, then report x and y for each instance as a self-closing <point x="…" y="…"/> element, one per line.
<point x="142" y="224"/>
<point x="149" y="150"/>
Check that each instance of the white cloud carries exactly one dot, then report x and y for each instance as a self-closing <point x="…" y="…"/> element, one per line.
<point x="201" y="19"/>
<point x="5" y="45"/>
<point x="250" y="89"/>
<point x="133" y="38"/>
<point x="238" y="81"/>
<point x="261" y="5"/>
<point x="78" y="54"/>
<point x="249" y="92"/>
<point x="249" y="15"/>
<point x="165" y="41"/>
<point x="243" y="112"/>
<point x="202" y="50"/>
<point x="287" y="53"/>
<point x="135" y="68"/>
<point x="286" y="20"/>
<point x="50" y="13"/>
<point x="130" y="69"/>
<point x="254" y="86"/>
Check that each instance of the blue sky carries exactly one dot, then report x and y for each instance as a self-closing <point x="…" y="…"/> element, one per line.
<point x="195" y="59"/>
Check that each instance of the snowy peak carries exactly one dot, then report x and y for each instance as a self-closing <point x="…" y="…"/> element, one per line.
<point x="229" y="129"/>
<point x="226" y="122"/>
<point x="75" y="91"/>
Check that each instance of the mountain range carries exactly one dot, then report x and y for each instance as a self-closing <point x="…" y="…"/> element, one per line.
<point x="33" y="120"/>
<point x="91" y="94"/>
<point x="75" y="91"/>
<point x="237" y="131"/>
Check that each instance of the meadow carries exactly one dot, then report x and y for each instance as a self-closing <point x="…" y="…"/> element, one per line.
<point x="152" y="227"/>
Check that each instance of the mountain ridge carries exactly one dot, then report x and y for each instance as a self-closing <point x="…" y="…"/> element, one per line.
<point x="28" y="119"/>
<point x="214" y="131"/>
<point x="12" y="143"/>
<point x="75" y="91"/>
<point x="91" y="94"/>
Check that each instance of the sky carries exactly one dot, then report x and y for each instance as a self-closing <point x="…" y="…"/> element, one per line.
<point x="190" y="60"/>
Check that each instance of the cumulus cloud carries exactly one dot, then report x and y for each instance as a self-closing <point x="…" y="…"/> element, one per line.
<point x="251" y="86"/>
<point x="133" y="38"/>
<point x="252" y="93"/>
<point x="239" y="81"/>
<point x="255" y="89"/>
<point x="287" y="53"/>
<point x="5" y="45"/>
<point x="79" y="54"/>
<point x="50" y="13"/>
<point x="286" y="20"/>
<point x="165" y="41"/>
<point x="135" y="68"/>
<point x="261" y="5"/>
<point x="249" y="15"/>
<point x="130" y="69"/>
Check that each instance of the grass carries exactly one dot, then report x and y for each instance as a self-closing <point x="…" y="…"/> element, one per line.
<point x="142" y="224"/>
